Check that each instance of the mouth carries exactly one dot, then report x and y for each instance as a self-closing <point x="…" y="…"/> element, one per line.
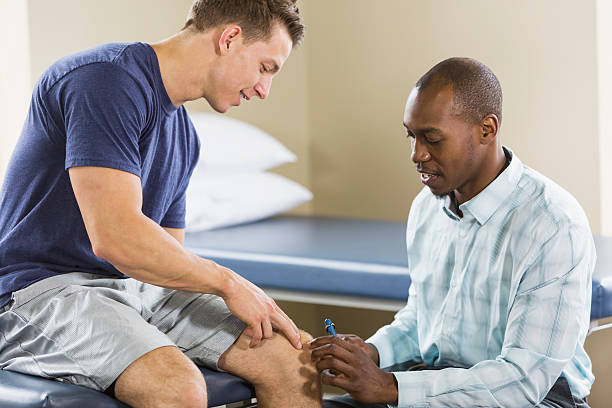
<point x="428" y="178"/>
<point x="240" y="98"/>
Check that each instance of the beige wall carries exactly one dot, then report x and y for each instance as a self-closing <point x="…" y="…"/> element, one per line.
<point x="338" y="103"/>
<point x="14" y="76"/>
<point x="604" y="45"/>
<point x="364" y="56"/>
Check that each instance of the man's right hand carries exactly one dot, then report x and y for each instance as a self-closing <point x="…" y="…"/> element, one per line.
<point x="259" y="311"/>
<point x="367" y="348"/>
<point x="111" y="205"/>
<point x="346" y="361"/>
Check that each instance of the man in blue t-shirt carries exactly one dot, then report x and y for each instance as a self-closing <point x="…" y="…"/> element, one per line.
<point x="96" y="288"/>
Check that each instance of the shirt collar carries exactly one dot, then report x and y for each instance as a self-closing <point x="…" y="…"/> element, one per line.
<point x="485" y="203"/>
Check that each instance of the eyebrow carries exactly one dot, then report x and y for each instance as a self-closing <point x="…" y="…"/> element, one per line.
<point x="424" y="130"/>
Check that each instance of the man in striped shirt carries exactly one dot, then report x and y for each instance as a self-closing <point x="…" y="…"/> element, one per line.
<point x="500" y="259"/>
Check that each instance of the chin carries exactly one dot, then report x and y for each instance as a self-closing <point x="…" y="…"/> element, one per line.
<point x="439" y="192"/>
<point x="223" y="110"/>
<point x="218" y="107"/>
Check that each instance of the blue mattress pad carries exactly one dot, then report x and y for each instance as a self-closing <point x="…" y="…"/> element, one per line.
<point x="343" y="256"/>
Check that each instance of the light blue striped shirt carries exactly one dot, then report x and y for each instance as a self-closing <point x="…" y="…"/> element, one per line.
<point x="503" y="293"/>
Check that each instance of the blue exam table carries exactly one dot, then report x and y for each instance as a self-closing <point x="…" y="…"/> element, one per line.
<point x="340" y="261"/>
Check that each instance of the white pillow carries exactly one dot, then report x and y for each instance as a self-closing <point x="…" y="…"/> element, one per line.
<point x="235" y="199"/>
<point x="232" y="146"/>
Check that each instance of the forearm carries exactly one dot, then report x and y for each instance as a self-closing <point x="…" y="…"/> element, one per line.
<point x="141" y="249"/>
<point x="491" y="383"/>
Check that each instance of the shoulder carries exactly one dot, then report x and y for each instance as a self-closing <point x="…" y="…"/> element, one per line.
<point x="93" y="57"/>
<point x="547" y="204"/>
<point x="110" y="70"/>
<point x="549" y="228"/>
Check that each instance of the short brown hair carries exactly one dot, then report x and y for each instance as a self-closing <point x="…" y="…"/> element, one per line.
<point x="255" y="17"/>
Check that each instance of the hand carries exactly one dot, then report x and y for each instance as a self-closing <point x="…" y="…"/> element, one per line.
<point x="354" y="364"/>
<point x="368" y="348"/>
<point x="259" y="311"/>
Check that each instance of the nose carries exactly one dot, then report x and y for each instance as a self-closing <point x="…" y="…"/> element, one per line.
<point x="419" y="151"/>
<point x="262" y="88"/>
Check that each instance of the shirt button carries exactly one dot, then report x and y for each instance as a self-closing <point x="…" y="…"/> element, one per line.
<point x="463" y="233"/>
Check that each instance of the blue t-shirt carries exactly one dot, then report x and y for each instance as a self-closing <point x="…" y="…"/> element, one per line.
<point x="103" y="107"/>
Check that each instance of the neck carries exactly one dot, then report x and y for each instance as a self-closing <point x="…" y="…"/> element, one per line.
<point x="488" y="171"/>
<point x="179" y="58"/>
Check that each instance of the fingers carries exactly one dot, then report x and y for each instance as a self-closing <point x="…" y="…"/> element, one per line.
<point x="335" y="366"/>
<point x="286" y="326"/>
<point x="340" y="381"/>
<point x="340" y="339"/>
<point x="282" y="312"/>
<point x="305" y="337"/>
<point x="263" y="327"/>
<point x="320" y="341"/>
<point x="332" y="350"/>
<point x="255" y="333"/>
<point x="267" y="329"/>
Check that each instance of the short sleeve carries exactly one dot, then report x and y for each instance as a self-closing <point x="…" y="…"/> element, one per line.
<point x="104" y="114"/>
<point x="175" y="216"/>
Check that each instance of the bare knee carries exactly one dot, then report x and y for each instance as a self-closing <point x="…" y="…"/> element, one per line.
<point x="164" y="377"/>
<point x="275" y="361"/>
<point x="188" y="392"/>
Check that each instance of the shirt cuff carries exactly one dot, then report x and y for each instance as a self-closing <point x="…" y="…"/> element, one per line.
<point x="384" y="345"/>
<point x="411" y="386"/>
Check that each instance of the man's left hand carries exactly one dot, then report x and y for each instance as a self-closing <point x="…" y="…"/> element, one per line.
<point x="343" y="362"/>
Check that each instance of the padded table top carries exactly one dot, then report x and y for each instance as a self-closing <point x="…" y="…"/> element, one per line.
<point x="343" y="256"/>
<point x="333" y="255"/>
<point x="601" y="303"/>
<point x="24" y="391"/>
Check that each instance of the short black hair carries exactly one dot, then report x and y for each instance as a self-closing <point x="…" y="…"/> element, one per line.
<point x="476" y="89"/>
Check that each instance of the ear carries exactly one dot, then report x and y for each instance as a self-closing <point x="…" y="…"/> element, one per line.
<point x="227" y="38"/>
<point x="489" y="127"/>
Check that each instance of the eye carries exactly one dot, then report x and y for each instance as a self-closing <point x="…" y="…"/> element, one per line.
<point x="264" y="69"/>
<point x="431" y="139"/>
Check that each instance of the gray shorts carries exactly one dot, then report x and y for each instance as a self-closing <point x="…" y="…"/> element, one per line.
<point x="87" y="329"/>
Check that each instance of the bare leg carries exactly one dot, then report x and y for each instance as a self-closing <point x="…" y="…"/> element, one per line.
<point x="164" y="377"/>
<point x="282" y="376"/>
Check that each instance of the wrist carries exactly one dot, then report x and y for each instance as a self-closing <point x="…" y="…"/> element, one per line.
<point x="393" y="393"/>
<point x="373" y="353"/>
<point x="224" y="284"/>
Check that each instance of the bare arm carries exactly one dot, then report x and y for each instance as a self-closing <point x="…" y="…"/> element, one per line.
<point x="110" y="202"/>
<point x="177" y="233"/>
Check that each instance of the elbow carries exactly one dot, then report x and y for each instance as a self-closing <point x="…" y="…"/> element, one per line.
<point x="101" y="250"/>
<point x="114" y="252"/>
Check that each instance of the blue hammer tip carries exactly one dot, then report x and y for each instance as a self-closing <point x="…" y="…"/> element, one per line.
<point x="330" y="327"/>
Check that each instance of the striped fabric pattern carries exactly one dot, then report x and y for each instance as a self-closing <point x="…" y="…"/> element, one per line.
<point x="503" y="294"/>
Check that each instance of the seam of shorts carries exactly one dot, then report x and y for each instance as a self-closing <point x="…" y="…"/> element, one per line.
<point x="86" y="373"/>
<point x="28" y="300"/>
<point x="236" y="330"/>
<point x="163" y="317"/>
<point x="32" y="355"/>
